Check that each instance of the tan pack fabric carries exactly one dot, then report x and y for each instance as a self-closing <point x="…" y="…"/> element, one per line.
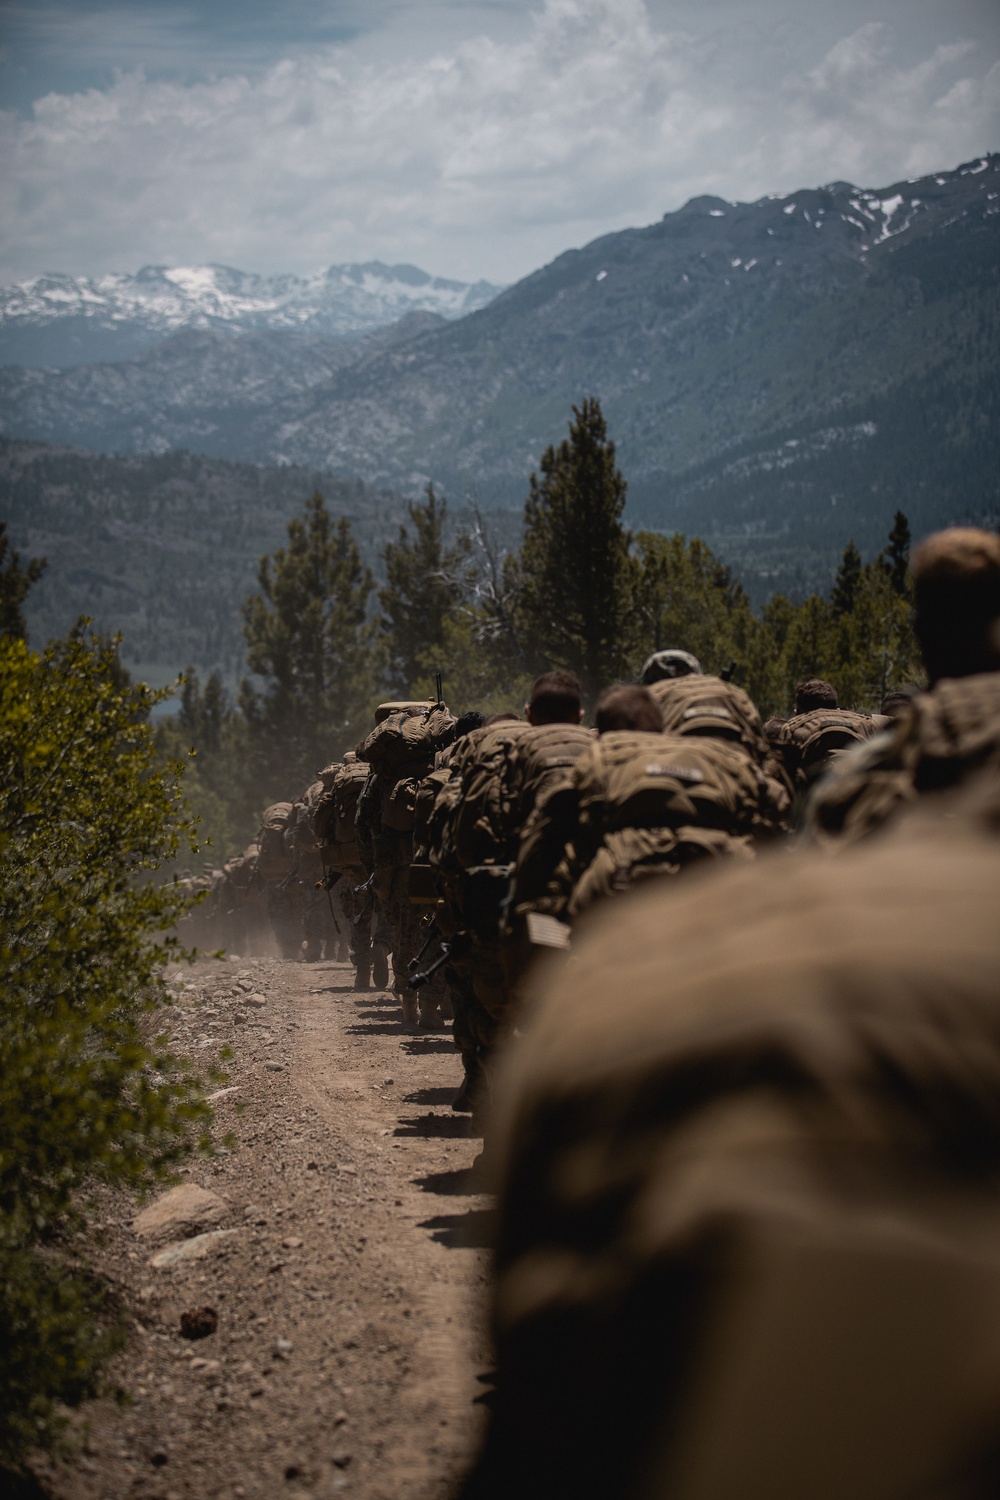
<point x="810" y="742"/>
<point x="274" y="860"/>
<point x="708" y="706"/>
<point x="950" y="734"/>
<point x="334" y="818"/>
<point x="481" y="833"/>
<point x="403" y="738"/>
<point x="743" y="1122"/>
<point x="654" y="804"/>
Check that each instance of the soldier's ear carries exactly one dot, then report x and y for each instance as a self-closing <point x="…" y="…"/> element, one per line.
<point x="580" y="716"/>
<point x="527" y="713"/>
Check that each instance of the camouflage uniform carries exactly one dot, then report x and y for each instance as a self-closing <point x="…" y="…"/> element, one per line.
<point x="246" y="902"/>
<point x="748" y="1229"/>
<point x="400" y="751"/>
<point x="324" y="925"/>
<point x="276" y="869"/>
<point x="637" y="804"/>
<point x="947" y="735"/>
<point x="810" y="743"/>
<point x="336" y="833"/>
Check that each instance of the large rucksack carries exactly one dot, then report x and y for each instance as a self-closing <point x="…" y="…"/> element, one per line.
<point x="274" y="861"/>
<point x="481" y="830"/>
<point x="541" y="760"/>
<point x="654" y="804"/>
<point x="334" y="818"/>
<point x="401" y="750"/>
<point x="948" y="735"/>
<point x="810" y="742"/>
<point x="707" y="706"/>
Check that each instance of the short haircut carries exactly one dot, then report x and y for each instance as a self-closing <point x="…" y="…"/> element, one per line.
<point x="814" y="693"/>
<point x="467" y="722"/>
<point x="773" y="727"/>
<point x="956" y="584"/>
<point x="627" y="706"/>
<point x="555" y="698"/>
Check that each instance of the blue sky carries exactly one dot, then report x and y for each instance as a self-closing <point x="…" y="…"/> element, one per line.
<point x="474" y="139"/>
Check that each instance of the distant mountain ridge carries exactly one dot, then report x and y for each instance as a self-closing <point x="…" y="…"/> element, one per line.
<point x="69" y="320"/>
<point x="778" y="375"/>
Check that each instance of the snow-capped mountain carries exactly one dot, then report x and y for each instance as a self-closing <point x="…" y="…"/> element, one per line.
<point x="70" y="320"/>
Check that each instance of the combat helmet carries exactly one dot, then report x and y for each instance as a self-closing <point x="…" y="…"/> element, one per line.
<point x="663" y="665"/>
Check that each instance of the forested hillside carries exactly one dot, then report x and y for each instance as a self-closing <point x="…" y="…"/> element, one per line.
<point x="163" y="549"/>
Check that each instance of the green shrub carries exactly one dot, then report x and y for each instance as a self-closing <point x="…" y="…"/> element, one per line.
<point x="86" y="817"/>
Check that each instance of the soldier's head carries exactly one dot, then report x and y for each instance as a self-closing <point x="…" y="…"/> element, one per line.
<point x="956" y="581"/>
<point x="627" y="706"/>
<point x="772" y="729"/>
<point x="666" y="664"/>
<point x="814" y="693"/>
<point x="466" y="723"/>
<point x="555" y="699"/>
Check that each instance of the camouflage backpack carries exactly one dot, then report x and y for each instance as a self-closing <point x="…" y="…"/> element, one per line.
<point x="274" y="861"/>
<point x="481" y="831"/>
<point x="401" y="750"/>
<point x="710" y="707"/>
<point x="301" y="833"/>
<point x="949" y="735"/>
<point x="653" y="804"/>
<point x="811" y="741"/>
<point x="334" y="818"/>
<point x="542" y="760"/>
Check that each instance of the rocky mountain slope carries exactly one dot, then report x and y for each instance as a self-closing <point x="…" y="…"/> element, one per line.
<point x="778" y="375"/>
<point x="73" y="320"/>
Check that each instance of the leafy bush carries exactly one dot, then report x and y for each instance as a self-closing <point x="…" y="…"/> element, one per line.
<point x="86" y="817"/>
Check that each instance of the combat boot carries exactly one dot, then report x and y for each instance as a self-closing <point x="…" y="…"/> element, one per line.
<point x="430" y="1016"/>
<point x="464" y="1102"/>
<point x="411" y="1008"/>
<point x="361" y="977"/>
<point x="380" y="966"/>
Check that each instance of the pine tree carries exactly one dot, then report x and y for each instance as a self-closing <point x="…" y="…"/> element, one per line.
<point x="684" y="596"/>
<point x="425" y="586"/>
<point x="572" y="580"/>
<point x="896" y="557"/>
<point x="308" y="634"/>
<point x="15" y="582"/>
<point x="847" y="581"/>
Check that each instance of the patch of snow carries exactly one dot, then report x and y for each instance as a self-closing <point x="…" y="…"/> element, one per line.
<point x="980" y="166"/>
<point x="600" y="275"/>
<point x="890" y="205"/>
<point x="737" y="262"/>
<point x="789" y="210"/>
<point x="750" y="264"/>
<point x="716" y="213"/>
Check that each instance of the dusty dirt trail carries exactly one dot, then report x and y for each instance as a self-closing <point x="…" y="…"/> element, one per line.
<point x="349" y="1354"/>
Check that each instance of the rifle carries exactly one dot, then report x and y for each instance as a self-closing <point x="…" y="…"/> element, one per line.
<point x="727" y="672"/>
<point x="438" y="689"/>
<point x="364" y="907"/>
<point x="432" y="934"/>
<point x="450" y="948"/>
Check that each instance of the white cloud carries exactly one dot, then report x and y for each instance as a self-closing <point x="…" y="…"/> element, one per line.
<point x="485" y="159"/>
